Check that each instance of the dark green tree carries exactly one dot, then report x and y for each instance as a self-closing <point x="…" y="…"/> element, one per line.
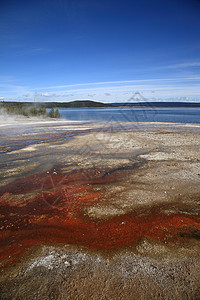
<point x="54" y="113"/>
<point x="42" y="111"/>
<point x="33" y="111"/>
<point x="51" y="113"/>
<point x="57" y="114"/>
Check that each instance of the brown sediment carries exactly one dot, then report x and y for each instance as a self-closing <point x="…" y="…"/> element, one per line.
<point x="54" y="213"/>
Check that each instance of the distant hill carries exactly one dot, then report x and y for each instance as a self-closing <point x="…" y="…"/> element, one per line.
<point x="72" y="104"/>
<point x="76" y="104"/>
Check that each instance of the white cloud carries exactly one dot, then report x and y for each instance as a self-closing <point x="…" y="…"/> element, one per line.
<point x="2" y="98"/>
<point x="46" y="94"/>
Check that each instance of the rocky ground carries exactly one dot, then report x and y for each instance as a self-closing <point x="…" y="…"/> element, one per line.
<point x="100" y="211"/>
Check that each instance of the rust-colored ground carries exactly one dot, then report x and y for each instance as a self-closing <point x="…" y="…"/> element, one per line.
<point x="49" y="208"/>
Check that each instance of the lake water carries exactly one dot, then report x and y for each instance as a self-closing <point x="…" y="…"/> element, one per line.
<point x="133" y="114"/>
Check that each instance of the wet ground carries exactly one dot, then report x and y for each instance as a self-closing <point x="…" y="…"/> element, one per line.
<point x="113" y="205"/>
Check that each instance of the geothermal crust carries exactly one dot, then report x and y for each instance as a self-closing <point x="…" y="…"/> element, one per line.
<point x="95" y="211"/>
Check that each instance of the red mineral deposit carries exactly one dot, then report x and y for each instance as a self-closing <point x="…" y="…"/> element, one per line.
<point x="49" y="208"/>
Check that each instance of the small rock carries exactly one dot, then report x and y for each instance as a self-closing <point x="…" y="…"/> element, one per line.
<point x="67" y="264"/>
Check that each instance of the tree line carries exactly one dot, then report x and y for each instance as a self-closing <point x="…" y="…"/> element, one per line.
<point x="29" y="110"/>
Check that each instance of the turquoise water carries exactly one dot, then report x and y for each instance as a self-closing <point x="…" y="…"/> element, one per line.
<point x="131" y="114"/>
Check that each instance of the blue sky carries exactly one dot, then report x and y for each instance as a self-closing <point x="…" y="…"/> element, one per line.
<point x="105" y="50"/>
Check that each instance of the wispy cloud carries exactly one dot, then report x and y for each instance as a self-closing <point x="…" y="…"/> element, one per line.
<point x="111" y="91"/>
<point x="8" y="89"/>
<point x="30" y="51"/>
<point x="118" y="82"/>
<point x="7" y="79"/>
<point x="184" y="65"/>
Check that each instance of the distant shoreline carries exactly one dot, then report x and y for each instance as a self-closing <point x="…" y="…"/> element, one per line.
<point x="95" y="104"/>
